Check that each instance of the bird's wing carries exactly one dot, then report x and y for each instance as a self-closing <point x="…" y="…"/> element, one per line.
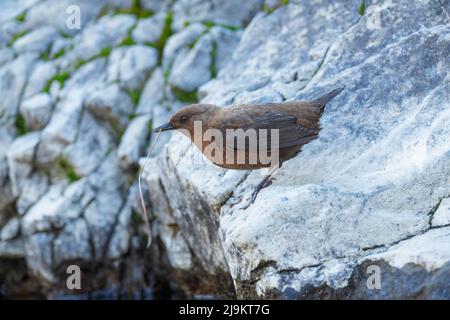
<point x="291" y="134"/>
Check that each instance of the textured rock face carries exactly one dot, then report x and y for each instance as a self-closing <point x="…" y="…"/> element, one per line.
<point x="369" y="197"/>
<point x="371" y="191"/>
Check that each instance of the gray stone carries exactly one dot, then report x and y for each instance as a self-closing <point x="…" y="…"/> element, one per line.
<point x="38" y="40"/>
<point x="49" y="13"/>
<point x="367" y="186"/>
<point x="231" y="12"/>
<point x="442" y="215"/>
<point x="35" y="187"/>
<point x="225" y="42"/>
<point x="181" y="40"/>
<point x="91" y="146"/>
<point x="106" y="33"/>
<point x="153" y="92"/>
<point x="131" y="65"/>
<point x="120" y="240"/>
<point x="149" y="30"/>
<point x="133" y="141"/>
<point x="20" y="160"/>
<point x="38" y="254"/>
<point x="72" y="243"/>
<point x="13" y="77"/>
<point x="13" y="249"/>
<point x="111" y="104"/>
<point x="37" y="111"/>
<point x="192" y="68"/>
<point x="39" y="77"/>
<point x="10" y="230"/>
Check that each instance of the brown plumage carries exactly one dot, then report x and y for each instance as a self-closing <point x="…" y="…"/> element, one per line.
<point x="297" y="122"/>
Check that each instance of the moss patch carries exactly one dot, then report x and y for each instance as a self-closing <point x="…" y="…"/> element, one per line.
<point x="20" y="125"/>
<point x="213" y="67"/>
<point x="210" y="24"/>
<point x="362" y="7"/>
<point x="60" y="77"/>
<point x="184" y="96"/>
<point x="135" y="95"/>
<point x="17" y="36"/>
<point x="59" y="54"/>
<point x="104" y="53"/>
<point x="137" y="10"/>
<point x="63" y="166"/>
<point x="21" y="17"/>
<point x="165" y="34"/>
<point x="269" y="10"/>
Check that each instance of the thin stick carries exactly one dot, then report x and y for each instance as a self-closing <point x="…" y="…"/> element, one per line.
<point x="144" y="212"/>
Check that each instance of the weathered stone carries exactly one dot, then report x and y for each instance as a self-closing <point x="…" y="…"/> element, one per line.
<point x="39" y="77"/>
<point x="181" y="40"/>
<point x="131" y="65"/>
<point x="10" y="230"/>
<point x="111" y="104"/>
<point x="372" y="178"/>
<point x="38" y="40"/>
<point x="153" y="92"/>
<point x="192" y="68"/>
<point x="442" y="215"/>
<point x="20" y="159"/>
<point x="133" y="141"/>
<point x="231" y="12"/>
<point x="36" y="111"/>
<point x="149" y="30"/>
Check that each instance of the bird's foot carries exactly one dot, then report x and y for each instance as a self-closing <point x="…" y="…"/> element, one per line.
<point x="263" y="184"/>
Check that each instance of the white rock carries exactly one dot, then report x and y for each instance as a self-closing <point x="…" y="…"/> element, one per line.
<point x="37" y="111"/>
<point x="112" y="104"/>
<point x="10" y="230"/>
<point x="442" y="215"/>
<point x="193" y="68"/>
<point x="181" y="40"/>
<point x="38" y="40"/>
<point x="39" y="78"/>
<point x="133" y="141"/>
<point x="153" y="92"/>
<point x="150" y="29"/>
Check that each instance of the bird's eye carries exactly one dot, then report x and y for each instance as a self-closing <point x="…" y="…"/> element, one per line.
<point x="183" y="119"/>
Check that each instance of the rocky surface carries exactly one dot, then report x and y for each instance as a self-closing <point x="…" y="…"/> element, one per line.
<point x="372" y="190"/>
<point x="76" y="114"/>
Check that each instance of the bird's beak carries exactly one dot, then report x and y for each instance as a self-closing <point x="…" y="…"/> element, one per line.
<point x="164" y="127"/>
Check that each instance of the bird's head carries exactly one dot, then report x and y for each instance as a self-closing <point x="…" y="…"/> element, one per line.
<point x="185" y="118"/>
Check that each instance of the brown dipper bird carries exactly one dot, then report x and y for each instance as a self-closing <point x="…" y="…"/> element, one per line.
<point x="297" y="124"/>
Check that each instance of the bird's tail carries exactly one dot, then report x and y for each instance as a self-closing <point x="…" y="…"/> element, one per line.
<point x="323" y="100"/>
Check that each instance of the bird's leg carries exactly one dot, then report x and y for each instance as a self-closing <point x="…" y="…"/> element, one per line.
<point x="265" y="182"/>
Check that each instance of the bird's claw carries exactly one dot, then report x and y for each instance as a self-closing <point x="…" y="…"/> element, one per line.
<point x="265" y="183"/>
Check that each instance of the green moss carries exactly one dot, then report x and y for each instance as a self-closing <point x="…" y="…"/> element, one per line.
<point x="165" y="34"/>
<point x="105" y="52"/>
<point x="183" y="96"/>
<point x="21" y="125"/>
<point x="213" y="67"/>
<point x="269" y="10"/>
<point x="210" y="24"/>
<point x="150" y="127"/>
<point x="65" y="35"/>
<point x="21" y="17"/>
<point x="131" y="116"/>
<point x="17" y="36"/>
<point x="137" y="10"/>
<point x="60" y="77"/>
<point x="59" y="54"/>
<point x="362" y="7"/>
<point x="128" y="41"/>
<point x="63" y="166"/>
<point x="135" y="95"/>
